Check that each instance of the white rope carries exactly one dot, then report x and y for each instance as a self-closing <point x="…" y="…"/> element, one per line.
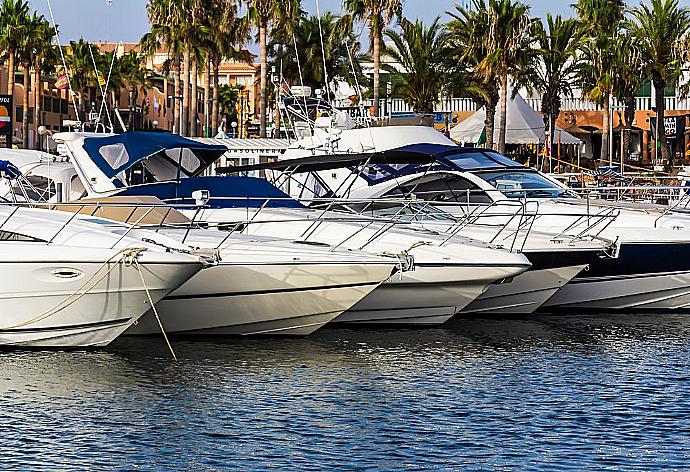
<point x="129" y="257"/>
<point x="64" y="63"/>
<point x="135" y="262"/>
<point x="71" y="300"/>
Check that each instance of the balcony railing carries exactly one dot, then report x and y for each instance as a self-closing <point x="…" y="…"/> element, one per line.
<point x="396" y="105"/>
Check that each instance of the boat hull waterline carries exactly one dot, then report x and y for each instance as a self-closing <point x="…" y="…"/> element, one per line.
<point x="525" y="293"/>
<point x="426" y="296"/>
<point x="264" y="299"/>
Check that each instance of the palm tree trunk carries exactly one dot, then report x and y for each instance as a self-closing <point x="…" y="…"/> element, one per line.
<point x="177" y="105"/>
<point x="604" y="154"/>
<point x="377" y="70"/>
<point x="37" y="105"/>
<point x="630" y="107"/>
<point x="185" y="89"/>
<point x="489" y="123"/>
<point x="659" y="87"/>
<point x="214" y="116"/>
<point x="264" y="81"/>
<point x="25" y="104"/>
<point x="11" y="66"/>
<point x="502" y="117"/>
<point x="194" y="102"/>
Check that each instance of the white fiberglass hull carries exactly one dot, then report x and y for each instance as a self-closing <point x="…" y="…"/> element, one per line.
<point x="525" y="293"/>
<point x="32" y="292"/>
<point x="656" y="291"/>
<point x="265" y="299"/>
<point x="426" y="296"/>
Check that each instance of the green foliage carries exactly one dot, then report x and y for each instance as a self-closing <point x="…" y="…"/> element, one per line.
<point x="660" y="28"/>
<point x="228" y="96"/>
<point x="550" y="66"/>
<point x="419" y="50"/>
<point x="14" y="18"/>
<point x="339" y="43"/>
<point x="599" y="22"/>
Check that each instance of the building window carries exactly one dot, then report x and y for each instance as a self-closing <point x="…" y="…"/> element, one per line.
<point x="223" y="80"/>
<point x="19" y="114"/>
<point x="244" y="80"/>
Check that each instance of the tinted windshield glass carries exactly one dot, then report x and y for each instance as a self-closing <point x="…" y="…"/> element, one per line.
<point x="481" y="160"/>
<point x="473" y="160"/>
<point x="396" y="210"/>
<point x="525" y="183"/>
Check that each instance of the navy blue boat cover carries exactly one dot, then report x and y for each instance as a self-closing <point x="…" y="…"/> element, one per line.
<point x="142" y="144"/>
<point x="226" y="192"/>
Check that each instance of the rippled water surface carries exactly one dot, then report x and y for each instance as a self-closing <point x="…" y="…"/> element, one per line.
<point x="547" y="393"/>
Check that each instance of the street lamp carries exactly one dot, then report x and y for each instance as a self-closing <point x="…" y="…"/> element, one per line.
<point x="44" y="132"/>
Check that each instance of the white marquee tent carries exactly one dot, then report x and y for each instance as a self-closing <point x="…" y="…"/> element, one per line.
<point x="524" y="126"/>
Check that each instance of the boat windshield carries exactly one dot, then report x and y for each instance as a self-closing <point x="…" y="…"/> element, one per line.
<point x="396" y="210"/>
<point x="525" y="184"/>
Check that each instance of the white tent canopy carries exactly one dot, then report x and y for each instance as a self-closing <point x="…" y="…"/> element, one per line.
<point x="524" y="126"/>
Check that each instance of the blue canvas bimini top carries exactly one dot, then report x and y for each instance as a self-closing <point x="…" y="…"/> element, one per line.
<point x="117" y="153"/>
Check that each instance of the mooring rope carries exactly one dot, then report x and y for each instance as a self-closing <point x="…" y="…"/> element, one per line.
<point x="135" y="262"/>
<point x="128" y="257"/>
<point x="70" y="300"/>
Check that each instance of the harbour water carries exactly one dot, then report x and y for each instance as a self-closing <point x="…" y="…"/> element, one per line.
<point x="553" y="392"/>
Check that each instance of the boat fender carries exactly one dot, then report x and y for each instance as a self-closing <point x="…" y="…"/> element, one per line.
<point x="9" y="170"/>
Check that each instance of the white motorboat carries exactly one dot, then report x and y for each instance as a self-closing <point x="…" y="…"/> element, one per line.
<point x="556" y="257"/>
<point x="264" y="286"/>
<point x="70" y="283"/>
<point x="260" y="286"/>
<point x="447" y="275"/>
<point x="441" y="278"/>
<point x="649" y="271"/>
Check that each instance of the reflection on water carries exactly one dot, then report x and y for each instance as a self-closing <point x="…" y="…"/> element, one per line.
<point x="550" y="392"/>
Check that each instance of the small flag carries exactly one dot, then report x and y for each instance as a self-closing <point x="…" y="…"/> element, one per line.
<point x="482" y="138"/>
<point x="62" y="83"/>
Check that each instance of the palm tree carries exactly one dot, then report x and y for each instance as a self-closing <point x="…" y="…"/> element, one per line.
<point x="14" y="15"/>
<point x="45" y="58"/>
<point x="262" y="14"/>
<point x="227" y="33"/>
<point x="27" y="45"/>
<point x="467" y="50"/>
<point x="80" y="70"/>
<point x="174" y="23"/>
<point x="659" y="28"/>
<point x="554" y="65"/>
<point x="627" y="81"/>
<point x="228" y="95"/>
<point x="420" y="51"/>
<point x="132" y="75"/>
<point x="600" y="21"/>
<point x="508" y="25"/>
<point x="165" y="34"/>
<point x="377" y="14"/>
<point x="339" y="44"/>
